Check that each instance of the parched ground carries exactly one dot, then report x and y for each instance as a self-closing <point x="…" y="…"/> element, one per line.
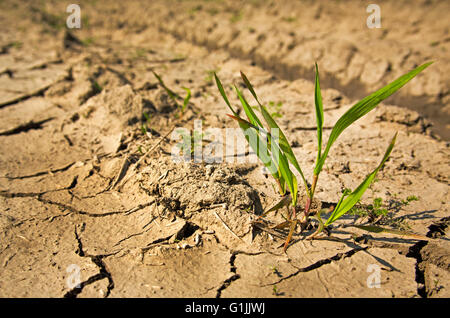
<point x="85" y="192"/>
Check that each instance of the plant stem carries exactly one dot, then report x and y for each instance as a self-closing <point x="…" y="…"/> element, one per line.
<point x="294" y="213"/>
<point x="313" y="187"/>
<point x="280" y="187"/>
<point x="311" y="195"/>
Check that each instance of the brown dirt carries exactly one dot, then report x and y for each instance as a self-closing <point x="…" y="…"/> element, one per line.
<point x="71" y="110"/>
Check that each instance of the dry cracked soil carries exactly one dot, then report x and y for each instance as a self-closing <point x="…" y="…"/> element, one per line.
<point x="92" y="203"/>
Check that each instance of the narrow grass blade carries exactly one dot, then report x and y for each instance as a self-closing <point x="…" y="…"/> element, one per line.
<point x="347" y="203"/>
<point x="258" y="143"/>
<point x="344" y="195"/>
<point x="282" y="140"/>
<point x="319" y="113"/>
<point x="320" y="227"/>
<point x="280" y="158"/>
<point x="248" y="110"/>
<point x="377" y="229"/>
<point x="363" y="107"/>
<point x="171" y="93"/>
<point x="283" y="143"/>
<point x="187" y="98"/>
<point x="283" y="202"/>
<point x="247" y="123"/>
<point x="291" y="232"/>
<point x="249" y="86"/>
<point x="281" y="182"/>
<point x="224" y="95"/>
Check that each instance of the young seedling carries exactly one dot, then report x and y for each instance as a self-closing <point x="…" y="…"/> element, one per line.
<point x="174" y="96"/>
<point x="209" y="76"/>
<point x="97" y="87"/>
<point x="145" y="126"/>
<point x="275" y="109"/>
<point x="190" y="142"/>
<point x="373" y="210"/>
<point x="275" y="290"/>
<point x="274" y="150"/>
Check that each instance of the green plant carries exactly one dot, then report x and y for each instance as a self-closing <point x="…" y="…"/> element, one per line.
<point x="209" y="76"/>
<point x="236" y="17"/>
<point x="174" y="96"/>
<point x="410" y="199"/>
<point x="190" y="142"/>
<point x="145" y="126"/>
<point x="274" y="269"/>
<point x="378" y="208"/>
<point x="274" y="150"/>
<point x="274" y="109"/>
<point x="139" y="53"/>
<point x="275" y="290"/>
<point x="88" y="41"/>
<point x="15" y="44"/>
<point x="97" y="87"/>
<point x="375" y="209"/>
<point x="289" y="19"/>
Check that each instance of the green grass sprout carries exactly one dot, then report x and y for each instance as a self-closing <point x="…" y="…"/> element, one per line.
<point x="146" y="126"/>
<point x="174" y="96"/>
<point x="274" y="150"/>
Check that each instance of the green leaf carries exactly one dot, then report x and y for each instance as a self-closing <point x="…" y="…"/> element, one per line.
<point x="171" y="93"/>
<point x="346" y="204"/>
<point x="279" y="162"/>
<point x="344" y="194"/>
<point x="282" y="140"/>
<point x="224" y="95"/>
<point x="187" y="98"/>
<point x="363" y="107"/>
<point x="319" y="113"/>
<point x="320" y="227"/>
<point x="280" y="159"/>
<point x="248" y="110"/>
<point x="249" y="86"/>
<point x="258" y="143"/>
<point x="291" y="232"/>
<point x="283" y="202"/>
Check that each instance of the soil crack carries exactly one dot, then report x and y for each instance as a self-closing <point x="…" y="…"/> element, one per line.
<point x="31" y="125"/>
<point x="318" y="264"/>
<point x="40" y="173"/>
<point x="231" y="279"/>
<point x="414" y="252"/>
<point x="103" y="272"/>
<point x="74" y="210"/>
<point x="233" y="269"/>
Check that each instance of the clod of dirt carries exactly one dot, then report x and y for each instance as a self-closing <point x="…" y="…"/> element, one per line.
<point x="214" y="199"/>
<point x="191" y="187"/>
<point x="103" y="118"/>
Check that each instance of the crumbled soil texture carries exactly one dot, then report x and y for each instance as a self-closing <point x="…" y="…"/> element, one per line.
<point x="92" y="203"/>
